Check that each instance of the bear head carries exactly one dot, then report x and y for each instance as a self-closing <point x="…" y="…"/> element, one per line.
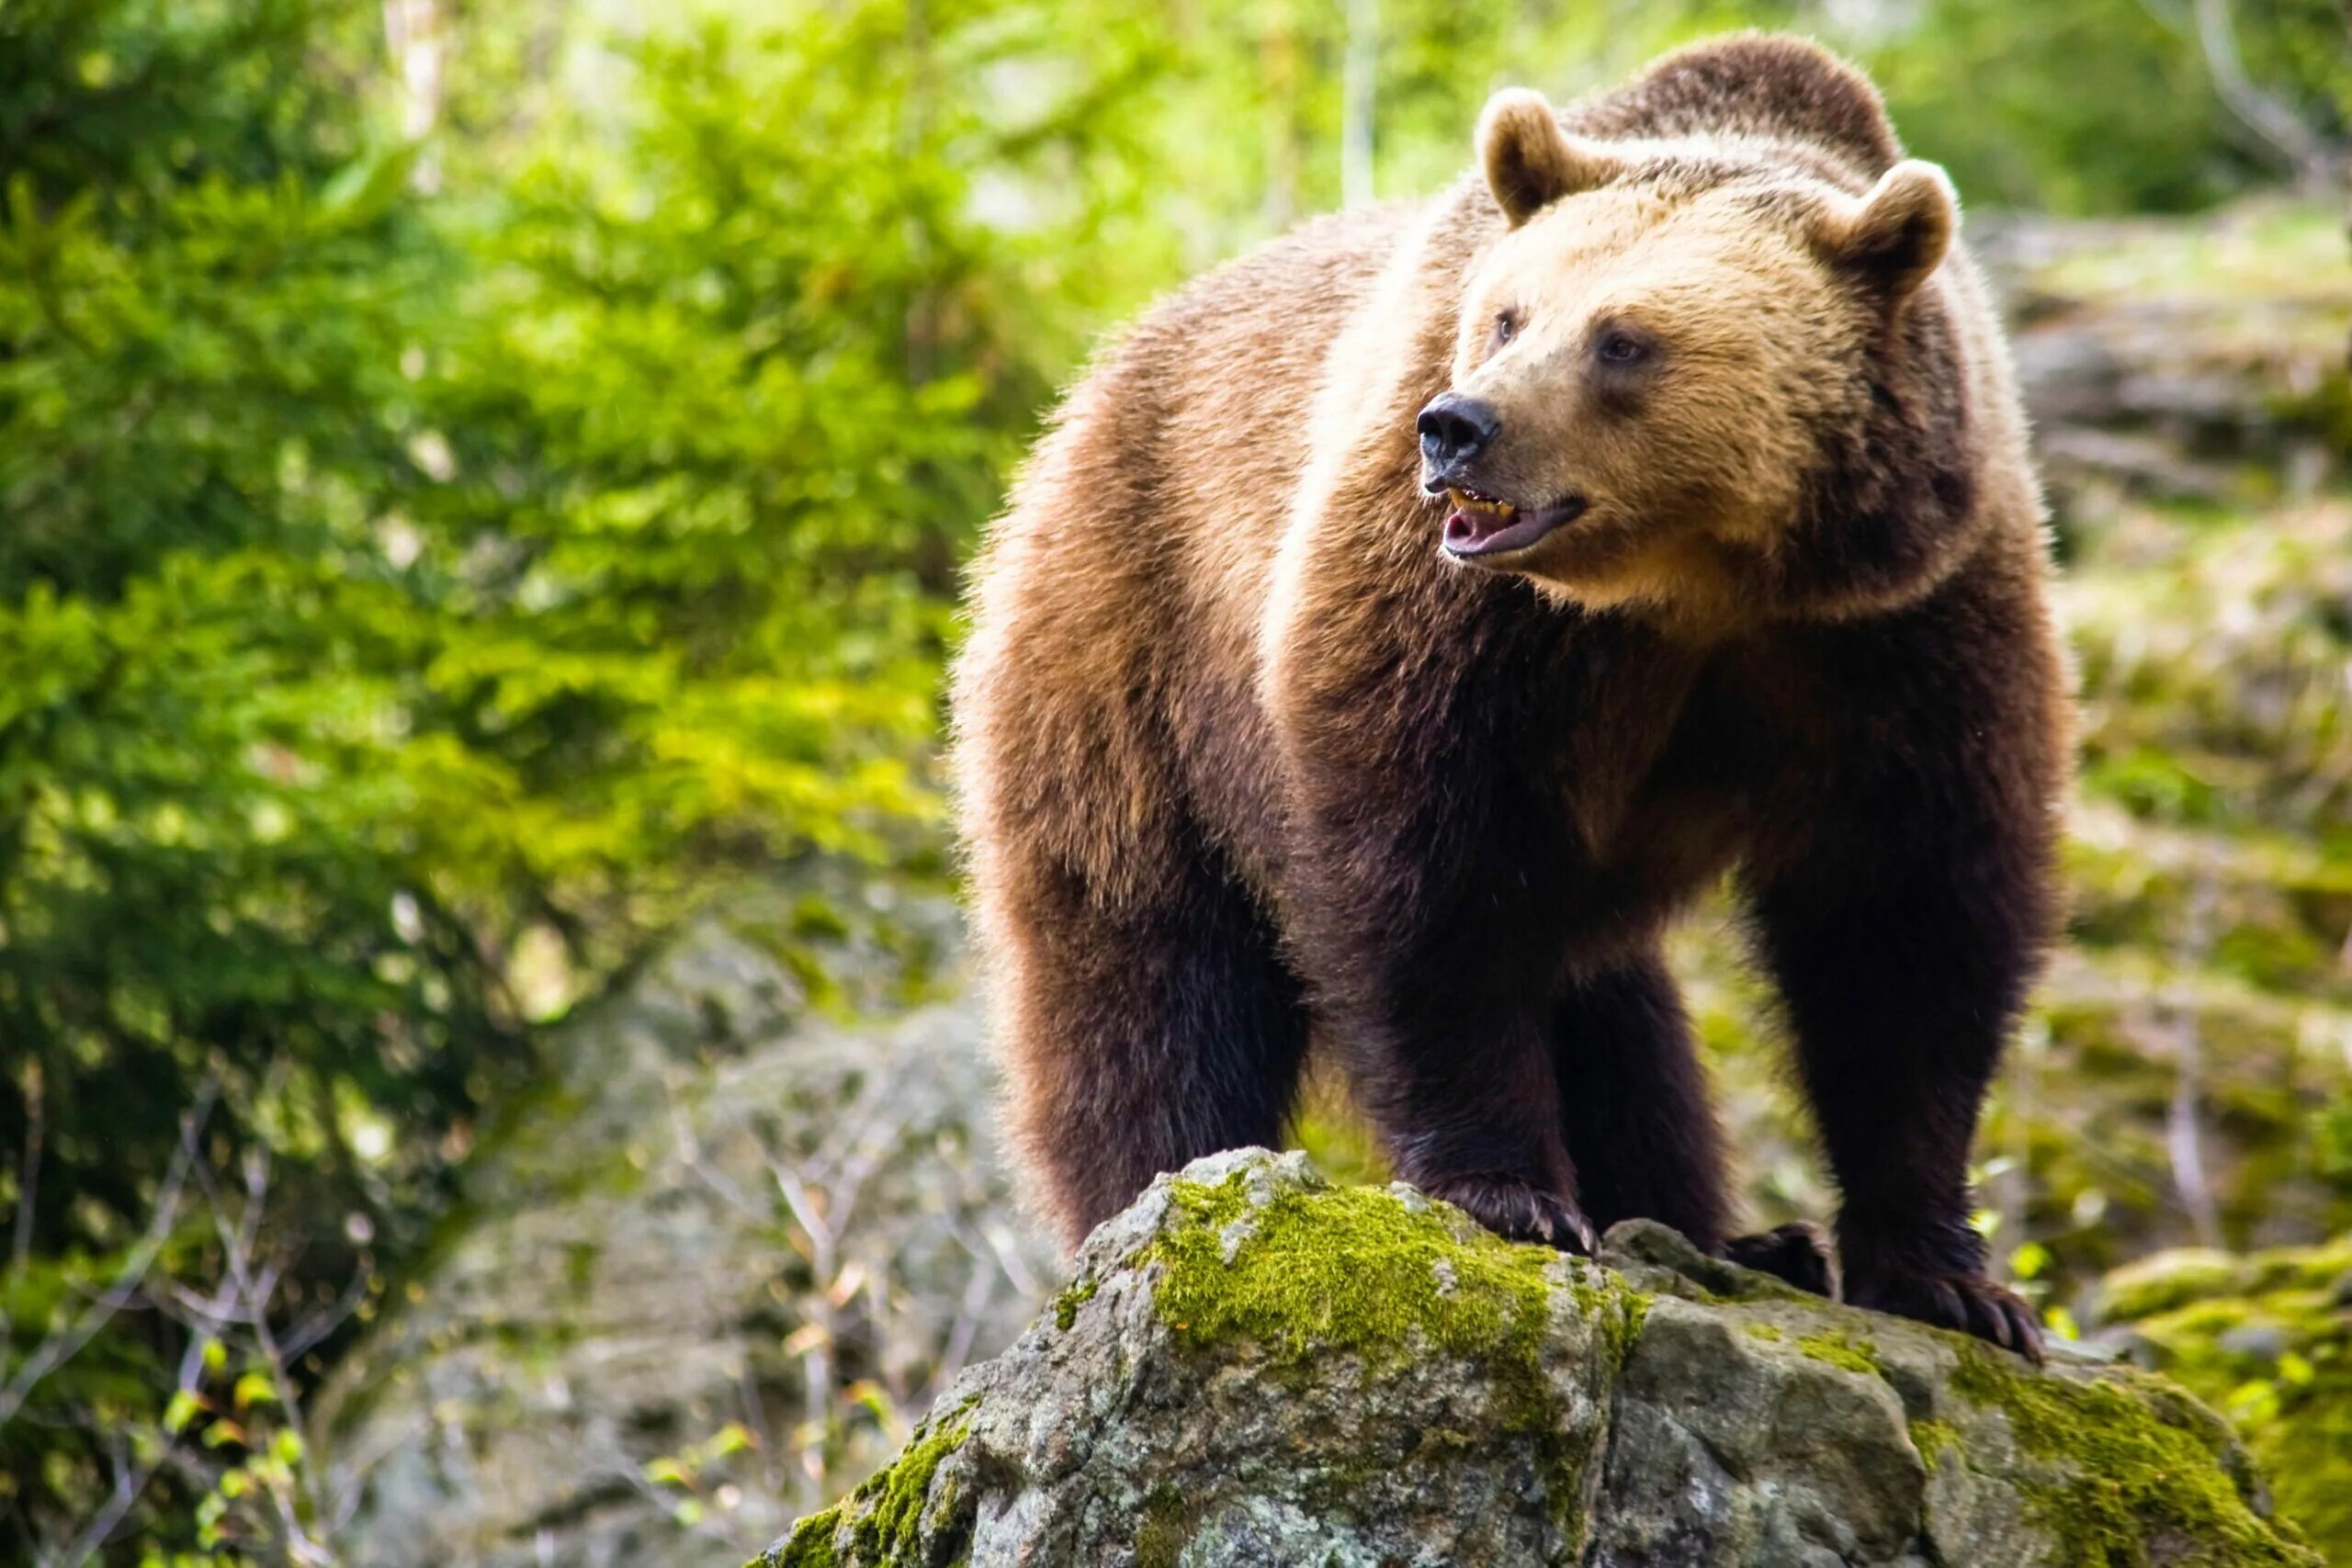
<point x="1709" y="378"/>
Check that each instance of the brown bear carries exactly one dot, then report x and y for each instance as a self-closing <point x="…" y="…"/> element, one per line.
<point x="1398" y="626"/>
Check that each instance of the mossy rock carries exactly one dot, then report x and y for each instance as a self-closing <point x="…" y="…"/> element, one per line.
<point x="2268" y="1338"/>
<point x="1256" y="1367"/>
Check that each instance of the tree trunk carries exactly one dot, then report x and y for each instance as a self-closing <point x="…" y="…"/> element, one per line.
<point x="413" y="32"/>
<point x="1360" y="102"/>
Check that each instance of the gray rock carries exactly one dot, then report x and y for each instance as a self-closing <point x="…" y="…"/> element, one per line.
<point x="2148" y="365"/>
<point x="2256" y="1341"/>
<point x="690" y="1288"/>
<point x="1255" y="1367"/>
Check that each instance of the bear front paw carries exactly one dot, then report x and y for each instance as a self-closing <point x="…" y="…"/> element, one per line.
<point x="1968" y="1301"/>
<point x="1517" y="1210"/>
<point x="1796" y="1253"/>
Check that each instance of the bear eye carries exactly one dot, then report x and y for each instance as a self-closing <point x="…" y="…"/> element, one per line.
<point x="1506" y="327"/>
<point x="1618" y="346"/>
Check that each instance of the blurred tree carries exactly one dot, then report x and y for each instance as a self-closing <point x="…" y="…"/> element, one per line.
<point x="2108" y="106"/>
<point x="412" y="593"/>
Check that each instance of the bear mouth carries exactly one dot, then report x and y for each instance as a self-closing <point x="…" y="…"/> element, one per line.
<point x="1481" y="526"/>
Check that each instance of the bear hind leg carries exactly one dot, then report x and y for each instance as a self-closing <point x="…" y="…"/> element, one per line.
<point x="1144" y="1032"/>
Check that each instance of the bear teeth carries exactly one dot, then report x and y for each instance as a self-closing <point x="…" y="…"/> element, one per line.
<point x="1471" y="501"/>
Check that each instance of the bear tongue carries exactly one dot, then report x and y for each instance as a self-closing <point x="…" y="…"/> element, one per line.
<point x="1468" y="529"/>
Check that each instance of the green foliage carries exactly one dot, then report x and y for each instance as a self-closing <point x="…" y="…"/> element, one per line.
<point x="426" y="576"/>
<point x="2093" y="105"/>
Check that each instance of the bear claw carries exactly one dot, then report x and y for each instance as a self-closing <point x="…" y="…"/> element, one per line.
<point x="1796" y="1253"/>
<point x="1518" y="1212"/>
<point x="1967" y="1302"/>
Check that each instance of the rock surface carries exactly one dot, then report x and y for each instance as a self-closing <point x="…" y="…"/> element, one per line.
<point x="1255" y="1368"/>
<point x="692" y="1286"/>
<point x="2169" y="358"/>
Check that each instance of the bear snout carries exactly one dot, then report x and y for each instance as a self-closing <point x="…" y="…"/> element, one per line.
<point x="1453" y="430"/>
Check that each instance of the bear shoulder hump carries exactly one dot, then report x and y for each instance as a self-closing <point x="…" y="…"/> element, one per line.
<point x="1764" y="84"/>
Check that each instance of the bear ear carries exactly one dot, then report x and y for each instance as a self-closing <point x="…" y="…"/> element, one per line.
<point x="1530" y="161"/>
<point x="1898" y="231"/>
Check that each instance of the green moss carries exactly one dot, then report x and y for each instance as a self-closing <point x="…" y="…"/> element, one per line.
<point x="2294" y="1411"/>
<point x="1934" y="1439"/>
<point x="885" y="1514"/>
<point x="1622" y="1329"/>
<point x="1316" y="1271"/>
<point x="1357" y="1271"/>
<point x="1765" y="1331"/>
<point x="1065" y="1305"/>
<point x="2275" y="251"/>
<point x="1838" y="1351"/>
<point x="2307" y="1452"/>
<point x="2288" y="1389"/>
<point x="1168" y="1524"/>
<point x="2137" y="1466"/>
<point x="810" y="1544"/>
<point x="2165" y="1280"/>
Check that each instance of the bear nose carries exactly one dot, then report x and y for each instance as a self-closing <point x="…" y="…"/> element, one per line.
<point x="1455" y="429"/>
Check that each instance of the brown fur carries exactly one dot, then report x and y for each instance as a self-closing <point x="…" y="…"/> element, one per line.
<point x="1241" y="755"/>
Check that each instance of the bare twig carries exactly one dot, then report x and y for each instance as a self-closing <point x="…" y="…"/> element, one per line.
<point x="129" y="1479"/>
<point x="2181" y="1135"/>
<point x="413" y="33"/>
<point x="20" y="1250"/>
<point x="255" y="1281"/>
<point x="2312" y="162"/>
<point x="352" y="1468"/>
<point x="1359" y="74"/>
<point x="978" y="1291"/>
<point x="58" y="1349"/>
